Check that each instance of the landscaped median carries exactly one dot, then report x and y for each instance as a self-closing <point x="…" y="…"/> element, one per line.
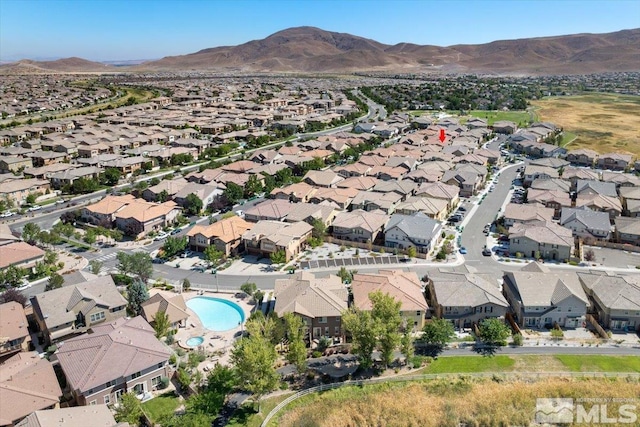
<point x="498" y="390"/>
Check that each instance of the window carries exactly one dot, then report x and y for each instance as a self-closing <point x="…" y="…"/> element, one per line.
<point x="322" y="320"/>
<point x="107" y="399"/>
<point x="95" y="317"/>
<point x="336" y="330"/>
<point x="418" y="313"/>
<point x="136" y="375"/>
<point x="155" y="381"/>
<point x="93" y="402"/>
<point x="326" y="331"/>
<point x="160" y="365"/>
<point x="110" y="384"/>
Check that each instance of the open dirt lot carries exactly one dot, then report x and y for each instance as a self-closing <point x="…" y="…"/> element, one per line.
<point x="601" y="122"/>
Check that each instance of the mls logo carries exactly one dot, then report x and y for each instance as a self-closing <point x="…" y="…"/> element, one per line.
<point x="554" y="410"/>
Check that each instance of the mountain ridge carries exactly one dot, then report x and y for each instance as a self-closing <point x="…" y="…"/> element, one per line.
<point x="313" y="50"/>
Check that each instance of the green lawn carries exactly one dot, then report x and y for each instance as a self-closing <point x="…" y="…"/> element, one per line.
<point x="246" y="415"/>
<point x="600" y="363"/>
<point x="494" y="116"/>
<point x="161" y="406"/>
<point x="567" y="138"/>
<point x="466" y="364"/>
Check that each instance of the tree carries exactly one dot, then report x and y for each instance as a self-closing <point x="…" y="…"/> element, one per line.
<point x="161" y="324"/>
<point x="386" y="314"/>
<point x="278" y="257"/>
<point x="174" y="245"/>
<point x="184" y="378"/>
<point x="589" y="255"/>
<point x="346" y="275"/>
<point x="233" y="193"/>
<point x="193" y="204"/>
<point x="438" y="332"/>
<point x="55" y="282"/>
<point x="249" y="288"/>
<point x="162" y="196"/>
<point x="111" y="176"/>
<point x="406" y="345"/>
<point x="361" y="325"/>
<point x="128" y="410"/>
<point x="254" y="360"/>
<point x="12" y="294"/>
<point x="213" y="255"/>
<point x="137" y="293"/>
<point x="186" y="284"/>
<point x="252" y="186"/>
<point x="411" y="251"/>
<point x="137" y="264"/>
<point x="494" y="332"/>
<point x="297" y="353"/>
<point x="31" y="198"/>
<point x="95" y="266"/>
<point x="319" y="228"/>
<point x="31" y="233"/>
<point x="12" y="276"/>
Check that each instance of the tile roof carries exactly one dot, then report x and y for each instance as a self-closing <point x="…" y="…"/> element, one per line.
<point x="466" y="290"/>
<point x="18" y="253"/>
<point x="546" y="288"/>
<point x="402" y="286"/>
<point x="175" y="307"/>
<point x="14" y="321"/>
<point x="77" y="416"/>
<point x="615" y="292"/>
<point x="370" y="221"/>
<point x="227" y="230"/>
<point x="542" y="232"/>
<point x="114" y="350"/>
<point x="27" y="383"/>
<point x="309" y="296"/>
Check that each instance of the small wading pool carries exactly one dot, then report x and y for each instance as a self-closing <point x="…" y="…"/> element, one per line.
<point x="194" y="341"/>
<point x="217" y="314"/>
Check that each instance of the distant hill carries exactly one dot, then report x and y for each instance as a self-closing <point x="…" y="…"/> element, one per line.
<point x="312" y="50"/>
<point x="65" y="65"/>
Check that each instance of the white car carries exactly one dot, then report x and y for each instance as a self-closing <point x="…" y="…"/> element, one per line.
<point x="161" y="236"/>
<point x="240" y="214"/>
<point x="34" y="208"/>
<point x="7" y="214"/>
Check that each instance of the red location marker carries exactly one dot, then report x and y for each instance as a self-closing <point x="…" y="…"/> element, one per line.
<point x="442" y="136"/>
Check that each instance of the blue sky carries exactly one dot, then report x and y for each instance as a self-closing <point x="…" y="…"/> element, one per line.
<point x="144" y="29"/>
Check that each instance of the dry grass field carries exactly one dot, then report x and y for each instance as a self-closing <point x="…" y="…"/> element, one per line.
<point x="452" y="402"/>
<point x="601" y="122"/>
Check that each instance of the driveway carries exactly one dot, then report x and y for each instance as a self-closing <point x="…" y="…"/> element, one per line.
<point x="614" y="257"/>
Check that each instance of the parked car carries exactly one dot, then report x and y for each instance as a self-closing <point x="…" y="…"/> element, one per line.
<point x="462" y="209"/>
<point x="176" y="231"/>
<point x="7" y="214"/>
<point x="34" y="208"/>
<point x="486" y="252"/>
<point x="158" y="261"/>
<point x="161" y="236"/>
<point x="186" y="254"/>
<point x="463" y="250"/>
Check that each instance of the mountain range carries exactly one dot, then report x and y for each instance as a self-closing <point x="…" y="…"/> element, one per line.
<point x="312" y="50"/>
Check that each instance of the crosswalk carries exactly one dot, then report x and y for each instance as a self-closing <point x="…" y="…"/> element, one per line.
<point x="107" y="257"/>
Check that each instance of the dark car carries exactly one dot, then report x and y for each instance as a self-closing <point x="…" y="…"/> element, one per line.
<point x="486" y="252"/>
<point x="158" y="261"/>
<point x="176" y="231"/>
<point x="462" y="209"/>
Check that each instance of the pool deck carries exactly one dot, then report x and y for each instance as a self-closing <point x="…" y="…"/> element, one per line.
<point x="217" y="345"/>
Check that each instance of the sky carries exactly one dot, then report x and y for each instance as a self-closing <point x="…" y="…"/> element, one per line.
<point x="104" y="30"/>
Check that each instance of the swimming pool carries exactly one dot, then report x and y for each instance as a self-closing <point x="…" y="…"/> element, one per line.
<point x="217" y="314"/>
<point x="195" y="341"/>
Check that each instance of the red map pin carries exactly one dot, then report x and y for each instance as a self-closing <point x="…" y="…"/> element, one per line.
<point x="442" y="136"/>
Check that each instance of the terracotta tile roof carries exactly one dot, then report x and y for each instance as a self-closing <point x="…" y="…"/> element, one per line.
<point x="110" y="204"/>
<point x="145" y="211"/>
<point x="175" y="307"/>
<point x="27" y="383"/>
<point x="306" y="295"/>
<point x="18" y="253"/>
<point x="227" y="230"/>
<point x="114" y="350"/>
<point x="14" y="321"/>
<point x="402" y="286"/>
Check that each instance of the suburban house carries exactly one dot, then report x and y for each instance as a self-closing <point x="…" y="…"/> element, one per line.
<point x="73" y="309"/>
<point x="465" y="299"/>
<point x="615" y="300"/>
<point x="319" y="301"/>
<point x="541" y="298"/>
<point x="582" y="157"/>
<point x="504" y="126"/>
<point x="174" y="307"/>
<point x="573" y="174"/>
<point x="621" y="179"/>
<point x="359" y="182"/>
<point x="274" y="210"/>
<point x="468" y="181"/>
<point x="118" y="357"/>
<point x="103" y="212"/>
<point x="19" y="189"/>
<point x="588" y="187"/>
<point x="225" y="235"/>
<point x="77" y="416"/>
<point x="586" y="223"/>
<point x="20" y="254"/>
<point x="359" y="226"/>
<point x="14" y="335"/>
<point x="310" y="212"/>
<point x="322" y="178"/>
<point x="542" y="239"/>
<point x="600" y="203"/>
<point x="614" y="161"/>
<point x="140" y="217"/>
<point x="167" y="187"/>
<point x="404" y="287"/>
<point x="524" y="213"/>
<point x="533" y="172"/>
<point x="433" y="208"/>
<point x="28" y="383"/>
<point x="268" y="237"/>
<point x="418" y="231"/>
<point x="627" y="230"/>
<point x="439" y="190"/>
<point x="298" y="192"/>
<point x="15" y="164"/>
<point x="555" y="199"/>
<point x="206" y="193"/>
<point x="371" y="201"/>
<point x="630" y="197"/>
<point x="339" y="197"/>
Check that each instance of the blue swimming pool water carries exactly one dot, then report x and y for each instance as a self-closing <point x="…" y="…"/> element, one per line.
<point x="195" y="341"/>
<point x="217" y="314"/>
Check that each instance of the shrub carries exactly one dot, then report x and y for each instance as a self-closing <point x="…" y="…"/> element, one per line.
<point x="164" y="383"/>
<point x="169" y="339"/>
<point x="173" y="359"/>
<point x="316" y="354"/>
<point x="517" y="339"/>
